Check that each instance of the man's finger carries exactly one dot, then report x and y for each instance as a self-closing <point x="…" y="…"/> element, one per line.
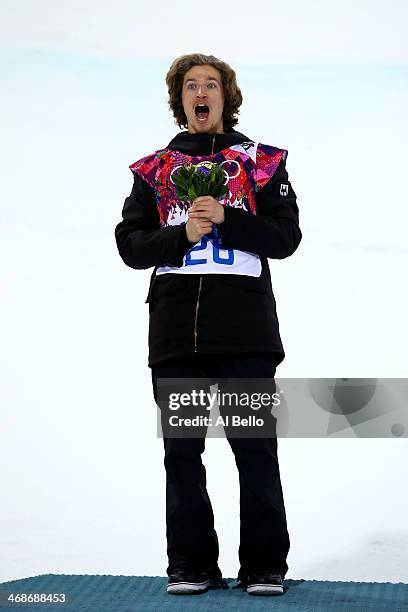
<point x="200" y="206"/>
<point x="203" y="223"/>
<point x="201" y="199"/>
<point x="198" y="214"/>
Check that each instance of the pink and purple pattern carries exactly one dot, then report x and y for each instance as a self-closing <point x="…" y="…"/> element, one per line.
<point x="244" y="176"/>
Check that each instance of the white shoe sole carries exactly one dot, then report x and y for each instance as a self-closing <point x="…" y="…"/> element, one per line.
<point x="265" y="589"/>
<point x="183" y="588"/>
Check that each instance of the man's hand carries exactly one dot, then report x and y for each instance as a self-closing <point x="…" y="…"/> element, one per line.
<point x="204" y="211"/>
<point x="207" y="207"/>
<point x="196" y="228"/>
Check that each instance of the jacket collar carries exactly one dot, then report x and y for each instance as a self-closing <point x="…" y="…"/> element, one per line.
<point x="201" y="143"/>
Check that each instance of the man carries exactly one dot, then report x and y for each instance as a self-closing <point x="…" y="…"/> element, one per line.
<point x="212" y="312"/>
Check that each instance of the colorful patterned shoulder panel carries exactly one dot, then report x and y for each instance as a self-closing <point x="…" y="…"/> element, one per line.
<point x="248" y="166"/>
<point x="265" y="159"/>
<point x="147" y="166"/>
<point x="267" y="162"/>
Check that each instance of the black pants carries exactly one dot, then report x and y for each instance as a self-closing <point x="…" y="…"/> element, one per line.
<point x="191" y="538"/>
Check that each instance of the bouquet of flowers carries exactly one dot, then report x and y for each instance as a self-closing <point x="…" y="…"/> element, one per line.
<point x="204" y="178"/>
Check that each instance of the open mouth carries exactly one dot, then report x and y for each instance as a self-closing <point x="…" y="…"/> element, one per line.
<point x="202" y="111"/>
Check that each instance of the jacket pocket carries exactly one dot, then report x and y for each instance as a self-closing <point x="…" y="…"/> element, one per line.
<point x="249" y="283"/>
<point x="151" y="284"/>
<point x="165" y="285"/>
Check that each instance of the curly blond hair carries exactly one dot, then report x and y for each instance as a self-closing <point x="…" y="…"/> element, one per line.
<point x="232" y="93"/>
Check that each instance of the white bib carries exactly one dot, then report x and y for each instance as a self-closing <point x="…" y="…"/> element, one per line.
<point x="210" y="257"/>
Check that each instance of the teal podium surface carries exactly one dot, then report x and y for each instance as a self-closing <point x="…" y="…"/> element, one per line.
<point x="102" y="593"/>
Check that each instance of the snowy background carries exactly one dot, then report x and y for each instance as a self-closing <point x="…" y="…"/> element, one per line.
<point x="83" y="96"/>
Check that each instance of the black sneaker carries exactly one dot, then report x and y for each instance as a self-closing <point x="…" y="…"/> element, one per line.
<point x="185" y="582"/>
<point x="265" y="584"/>
<point x="242" y="583"/>
<point x="216" y="581"/>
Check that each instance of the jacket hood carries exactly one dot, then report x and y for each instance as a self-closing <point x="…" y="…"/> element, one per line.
<point x="201" y="143"/>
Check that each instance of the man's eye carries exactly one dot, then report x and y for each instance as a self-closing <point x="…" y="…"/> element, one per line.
<point x="191" y="85"/>
<point x="212" y="85"/>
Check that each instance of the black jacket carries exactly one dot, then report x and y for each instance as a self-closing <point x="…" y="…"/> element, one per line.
<point x="210" y="313"/>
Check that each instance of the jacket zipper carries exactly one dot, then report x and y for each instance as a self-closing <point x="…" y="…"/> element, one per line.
<point x="196" y="314"/>
<point x="200" y="283"/>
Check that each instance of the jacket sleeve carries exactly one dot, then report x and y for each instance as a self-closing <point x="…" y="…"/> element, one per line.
<point x="274" y="232"/>
<point x="142" y="243"/>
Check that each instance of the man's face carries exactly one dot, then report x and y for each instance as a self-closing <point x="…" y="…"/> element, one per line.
<point x="202" y="85"/>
